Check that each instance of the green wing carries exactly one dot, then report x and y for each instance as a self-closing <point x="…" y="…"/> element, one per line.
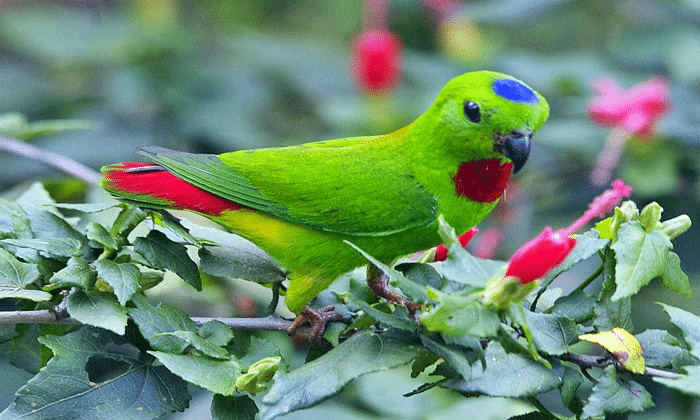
<point x="357" y="186"/>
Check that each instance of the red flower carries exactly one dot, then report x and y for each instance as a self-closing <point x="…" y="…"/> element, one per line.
<point x="634" y="111"/>
<point x="542" y="253"/>
<point x="377" y="60"/>
<point x="441" y="252"/>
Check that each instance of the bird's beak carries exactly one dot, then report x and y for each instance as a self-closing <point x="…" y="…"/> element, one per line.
<point x="515" y="146"/>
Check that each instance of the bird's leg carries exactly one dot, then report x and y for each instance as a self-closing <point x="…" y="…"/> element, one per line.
<point x="317" y="318"/>
<point x="378" y="282"/>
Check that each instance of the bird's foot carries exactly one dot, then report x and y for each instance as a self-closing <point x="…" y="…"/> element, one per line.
<point x="377" y="281"/>
<point x="317" y="318"/>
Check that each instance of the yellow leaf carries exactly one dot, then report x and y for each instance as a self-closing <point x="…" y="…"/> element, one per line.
<point x="621" y="344"/>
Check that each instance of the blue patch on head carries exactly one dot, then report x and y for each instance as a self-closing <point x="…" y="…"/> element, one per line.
<point x="514" y="91"/>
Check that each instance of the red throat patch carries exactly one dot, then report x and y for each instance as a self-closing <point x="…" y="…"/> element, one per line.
<point x="482" y="181"/>
<point x="166" y="186"/>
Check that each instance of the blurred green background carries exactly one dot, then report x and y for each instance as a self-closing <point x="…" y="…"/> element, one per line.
<point x="221" y="75"/>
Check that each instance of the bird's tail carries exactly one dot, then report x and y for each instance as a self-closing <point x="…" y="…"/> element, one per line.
<point x="153" y="186"/>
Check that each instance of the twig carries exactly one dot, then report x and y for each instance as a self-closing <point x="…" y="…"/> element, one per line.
<point x="34" y="317"/>
<point x="48" y="158"/>
<point x="601" y="362"/>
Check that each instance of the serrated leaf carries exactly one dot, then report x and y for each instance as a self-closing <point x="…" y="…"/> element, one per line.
<point x="577" y="306"/>
<point x="14" y="220"/>
<point x="673" y="277"/>
<point x="98" y="233"/>
<point x="98" y="311"/>
<point x="218" y="376"/>
<point x="154" y="320"/>
<point x="311" y="383"/>
<point x="76" y="273"/>
<point x="640" y="257"/>
<point x="200" y="344"/>
<point x="571" y="381"/>
<point x="613" y="394"/>
<point x="123" y="278"/>
<point x="236" y="263"/>
<point x="47" y="225"/>
<point x="689" y="383"/>
<point x="15" y="276"/>
<point x="95" y="374"/>
<point x="23" y="350"/>
<point x="689" y="324"/>
<point x="551" y="334"/>
<point x="233" y="408"/>
<point x="621" y="344"/>
<point x="507" y="375"/>
<point x="127" y="219"/>
<point x="57" y="247"/>
<point x="461" y="315"/>
<point x="662" y="350"/>
<point x="163" y="253"/>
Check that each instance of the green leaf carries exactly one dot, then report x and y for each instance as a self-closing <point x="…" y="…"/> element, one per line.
<point x="127" y="220"/>
<point x="258" y="349"/>
<point x="233" y="408"/>
<point x="14" y="220"/>
<point x="460" y="266"/>
<point x="200" y="344"/>
<point x="98" y="233"/>
<point x="57" y="247"/>
<point x="461" y="315"/>
<point x="95" y="374"/>
<point x="455" y="358"/>
<point x="673" y="277"/>
<point x="98" y="311"/>
<point x="609" y="314"/>
<point x="218" y="376"/>
<point x="215" y="332"/>
<point x="689" y="324"/>
<point x="15" y="276"/>
<point x="640" y="256"/>
<point x="393" y="320"/>
<point x="154" y="320"/>
<point x="421" y="274"/>
<point x="662" y="350"/>
<point x="85" y="207"/>
<point x="123" y="278"/>
<point x="247" y="264"/>
<point x="311" y="383"/>
<point x="23" y="349"/>
<point x="577" y="306"/>
<point x="163" y="253"/>
<point x="613" y="394"/>
<point x="688" y="384"/>
<point x="507" y="375"/>
<point x="571" y="381"/>
<point x="76" y="273"/>
<point x="552" y="334"/>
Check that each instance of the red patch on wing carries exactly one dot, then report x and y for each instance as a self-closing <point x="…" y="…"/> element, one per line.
<point x="482" y="181"/>
<point x="165" y="186"/>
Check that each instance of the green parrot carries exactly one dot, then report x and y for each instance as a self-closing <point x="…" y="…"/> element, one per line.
<point x="382" y="193"/>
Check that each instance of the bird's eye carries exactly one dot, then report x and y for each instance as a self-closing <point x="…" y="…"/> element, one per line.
<point x="472" y="111"/>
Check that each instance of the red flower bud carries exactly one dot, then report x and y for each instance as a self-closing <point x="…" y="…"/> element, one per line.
<point x="441" y="251"/>
<point x="542" y="253"/>
<point x="377" y="60"/>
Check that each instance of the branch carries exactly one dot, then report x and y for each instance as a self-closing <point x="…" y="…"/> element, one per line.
<point x="60" y="162"/>
<point x="268" y="323"/>
<point x="601" y="362"/>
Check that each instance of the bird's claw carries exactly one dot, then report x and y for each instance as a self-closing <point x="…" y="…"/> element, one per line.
<point x="317" y="318"/>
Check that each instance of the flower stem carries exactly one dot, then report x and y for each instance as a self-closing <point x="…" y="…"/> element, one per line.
<point x="590" y="279"/>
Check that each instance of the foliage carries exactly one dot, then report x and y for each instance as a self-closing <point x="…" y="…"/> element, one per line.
<point x="143" y="356"/>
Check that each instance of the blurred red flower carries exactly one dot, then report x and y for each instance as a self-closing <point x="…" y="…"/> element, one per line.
<point x="376" y="60"/>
